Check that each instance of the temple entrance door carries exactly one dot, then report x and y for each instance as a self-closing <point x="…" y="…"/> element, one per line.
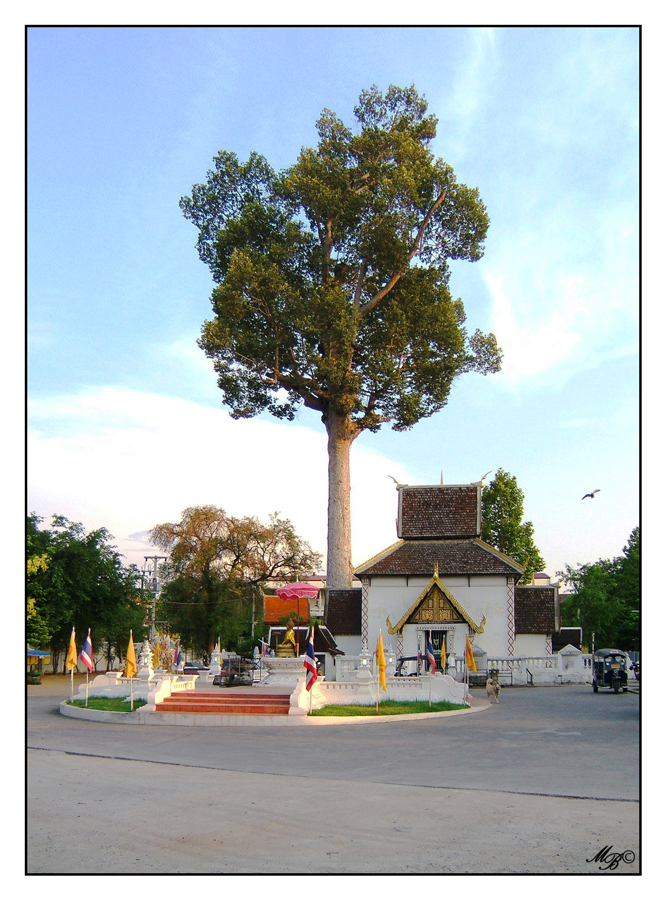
<point x="438" y="638"/>
<point x="439" y="645"/>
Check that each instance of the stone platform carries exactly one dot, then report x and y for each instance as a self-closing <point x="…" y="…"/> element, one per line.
<point x="255" y="706"/>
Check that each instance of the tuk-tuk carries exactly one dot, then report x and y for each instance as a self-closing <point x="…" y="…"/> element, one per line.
<point x="609" y="669"/>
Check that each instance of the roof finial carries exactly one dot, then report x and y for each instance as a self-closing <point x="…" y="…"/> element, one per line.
<point x="441" y="477"/>
<point x="435" y="573"/>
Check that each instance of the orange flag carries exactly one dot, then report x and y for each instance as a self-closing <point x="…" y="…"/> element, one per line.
<point x="71" y="653"/>
<point x="130" y="659"/>
<point x="469" y="656"/>
<point x="381" y="661"/>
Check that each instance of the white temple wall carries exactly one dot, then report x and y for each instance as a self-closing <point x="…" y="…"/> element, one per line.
<point x="478" y="596"/>
<point x="351" y="644"/>
<point x="532" y="645"/>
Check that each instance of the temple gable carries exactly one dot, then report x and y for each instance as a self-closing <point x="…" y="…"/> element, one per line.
<point x="435" y="604"/>
<point x="434" y="608"/>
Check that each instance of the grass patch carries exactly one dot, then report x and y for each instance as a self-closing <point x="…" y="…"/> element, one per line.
<point x="389" y="708"/>
<point x="108" y="704"/>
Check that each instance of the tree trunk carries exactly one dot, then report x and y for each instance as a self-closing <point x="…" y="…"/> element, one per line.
<point x="341" y="434"/>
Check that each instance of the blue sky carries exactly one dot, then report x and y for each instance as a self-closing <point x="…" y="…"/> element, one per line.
<point x="125" y="423"/>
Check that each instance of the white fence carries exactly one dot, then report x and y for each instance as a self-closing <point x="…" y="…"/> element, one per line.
<point x="569" y="666"/>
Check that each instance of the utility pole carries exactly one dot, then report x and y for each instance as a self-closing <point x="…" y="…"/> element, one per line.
<point x="154" y="587"/>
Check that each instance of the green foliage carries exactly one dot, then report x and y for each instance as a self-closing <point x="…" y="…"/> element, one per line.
<point x="216" y="565"/>
<point x="332" y="275"/>
<point x="604" y="599"/>
<point x="503" y="527"/>
<point x="81" y="582"/>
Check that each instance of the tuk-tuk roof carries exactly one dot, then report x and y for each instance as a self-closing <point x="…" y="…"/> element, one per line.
<point x="609" y="653"/>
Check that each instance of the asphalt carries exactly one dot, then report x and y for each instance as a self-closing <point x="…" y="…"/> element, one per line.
<point x="537" y="784"/>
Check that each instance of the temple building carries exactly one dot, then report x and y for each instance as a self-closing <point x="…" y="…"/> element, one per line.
<point x="441" y="582"/>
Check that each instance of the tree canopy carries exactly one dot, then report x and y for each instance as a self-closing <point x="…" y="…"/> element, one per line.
<point x="216" y="563"/>
<point x="332" y="282"/>
<point x="77" y="579"/>
<point x="503" y="526"/>
<point x="604" y="598"/>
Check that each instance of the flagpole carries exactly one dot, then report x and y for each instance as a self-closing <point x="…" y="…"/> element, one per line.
<point x="430" y="673"/>
<point x="71" y="683"/>
<point x="86" y="686"/>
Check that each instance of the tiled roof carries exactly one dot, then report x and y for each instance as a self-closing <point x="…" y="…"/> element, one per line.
<point x="275" y="608"/>
<point x="343" y="611"/>
<point x="453" y="557"/>
<point x="536" y="610"/>
<point x="439" y="511"/>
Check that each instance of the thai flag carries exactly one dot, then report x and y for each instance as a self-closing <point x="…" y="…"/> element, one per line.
<point x="431" y="657"/>
<point x="418" y="655"/>
<point x="310" y="663"/>
<point x="87" y="653"/>
<point x="264" y="648"/>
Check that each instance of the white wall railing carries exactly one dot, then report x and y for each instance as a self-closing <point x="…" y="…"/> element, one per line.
<point x="565" y="667"/>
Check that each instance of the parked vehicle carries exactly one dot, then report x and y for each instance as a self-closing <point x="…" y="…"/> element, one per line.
<point x="193" y="668"/>
<point x="235" y="670"/>
<point x="609" y="669"/>
<point x="636" y="669"/>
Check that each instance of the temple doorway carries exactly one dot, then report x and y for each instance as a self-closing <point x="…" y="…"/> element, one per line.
<point x="439" y="643"/>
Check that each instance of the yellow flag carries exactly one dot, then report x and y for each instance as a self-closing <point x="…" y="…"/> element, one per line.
<point x="381" y="661"/>
<point x="469" y="656"/>
<point x="130" y="659"/>
<point x="71" y="653"/>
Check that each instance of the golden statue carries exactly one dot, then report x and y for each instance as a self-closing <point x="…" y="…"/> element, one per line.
<point x="288" y="645"/>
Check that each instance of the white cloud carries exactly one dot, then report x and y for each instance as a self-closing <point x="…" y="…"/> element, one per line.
<point x="465" y="100"/>
<point x="128" y="460"/>
<point x="565" y="298"/>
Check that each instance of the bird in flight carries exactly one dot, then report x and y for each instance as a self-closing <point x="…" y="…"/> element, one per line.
<point x="590" y="495"/>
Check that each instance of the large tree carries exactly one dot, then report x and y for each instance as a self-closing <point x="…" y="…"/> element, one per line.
<point x="603" y="598"/>
<point x="78" y="579"/>
<point x="503" y="526"/>
<point x="332" y="283"/>
<point x="216" y="563"/>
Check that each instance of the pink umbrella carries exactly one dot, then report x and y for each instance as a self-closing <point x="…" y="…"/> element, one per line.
<point x="297" y="590"/>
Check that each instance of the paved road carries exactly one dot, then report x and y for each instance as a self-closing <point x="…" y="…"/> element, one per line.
<point x="538" y="783"/>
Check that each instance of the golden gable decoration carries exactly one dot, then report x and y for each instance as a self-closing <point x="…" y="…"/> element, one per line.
<point x="435" y="605"/>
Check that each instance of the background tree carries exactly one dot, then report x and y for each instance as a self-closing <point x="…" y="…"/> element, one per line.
<point x="38" y="632"/>
<point x="332" y="283"/>
<point x="502" y="526"/>
<point x="604" y="599"/>
<point x="216" y="564"/>
<point x="83" y="583"/>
